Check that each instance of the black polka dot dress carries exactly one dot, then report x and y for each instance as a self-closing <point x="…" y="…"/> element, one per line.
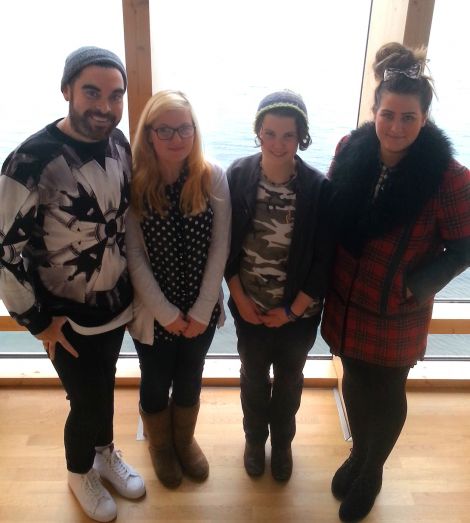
<point x="178" y="247"/>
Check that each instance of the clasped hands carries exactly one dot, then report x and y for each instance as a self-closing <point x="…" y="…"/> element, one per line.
<point x="185" y="326"/>
<point x="251" y="313"/>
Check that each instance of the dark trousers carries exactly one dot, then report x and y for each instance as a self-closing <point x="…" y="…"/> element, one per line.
<point x="265" y="404"/>
<point x="89" y="383"/>
<point x="172" y="364"/>
<point x="375" y="399"/>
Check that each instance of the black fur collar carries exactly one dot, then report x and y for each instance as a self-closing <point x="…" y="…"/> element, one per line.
<point x="409" y="186"/>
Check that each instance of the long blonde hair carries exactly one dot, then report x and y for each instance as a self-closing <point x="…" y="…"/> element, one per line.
<point x="147" y="186"/>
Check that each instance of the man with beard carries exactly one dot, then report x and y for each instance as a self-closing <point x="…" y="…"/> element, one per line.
<point x="64" y="194"/>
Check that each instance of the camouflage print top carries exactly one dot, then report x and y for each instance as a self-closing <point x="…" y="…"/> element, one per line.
<point x="265" y="250"/>
<point x="310" y="249"/>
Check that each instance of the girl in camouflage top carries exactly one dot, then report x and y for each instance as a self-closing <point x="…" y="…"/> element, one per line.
<point x="277" y="275"/>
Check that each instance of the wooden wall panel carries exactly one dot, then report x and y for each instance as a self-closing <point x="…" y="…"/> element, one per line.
<point x="138" y="57"/>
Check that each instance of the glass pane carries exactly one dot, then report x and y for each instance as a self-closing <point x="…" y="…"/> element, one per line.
<point x="35" y="39"/>
<point x="238" y="52"/>
<point x="448" y="66"/>
<point x="21" y="342"/>
<point x="448" y="345"/>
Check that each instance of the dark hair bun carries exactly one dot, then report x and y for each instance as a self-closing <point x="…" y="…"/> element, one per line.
<point x="397" y="56"/>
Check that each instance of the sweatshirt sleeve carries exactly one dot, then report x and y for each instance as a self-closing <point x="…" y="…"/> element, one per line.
<point x="142" y="277"/>
<point x="218" y="250"/>
<point x="18" y="209"/>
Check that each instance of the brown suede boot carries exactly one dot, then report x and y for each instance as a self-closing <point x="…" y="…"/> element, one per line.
<point x="192" y="459"/>
<point x="157" y="428"/>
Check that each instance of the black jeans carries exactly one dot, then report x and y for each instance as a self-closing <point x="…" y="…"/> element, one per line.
<point x="89" y="383"/>
<point x="176" y="364"/>
<point x="272" y="405"/>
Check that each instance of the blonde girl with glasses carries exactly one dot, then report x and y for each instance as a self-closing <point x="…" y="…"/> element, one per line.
<point x="177" y="244"/>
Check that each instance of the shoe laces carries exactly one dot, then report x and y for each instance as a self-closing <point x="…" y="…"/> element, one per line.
<point x="93" y="488"/>
<point x="119" y="466"/>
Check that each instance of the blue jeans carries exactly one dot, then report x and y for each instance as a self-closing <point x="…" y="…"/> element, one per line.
<point x="273" y="405"/>
<point x="89" y="383"/>
<point x="176" y="364"/>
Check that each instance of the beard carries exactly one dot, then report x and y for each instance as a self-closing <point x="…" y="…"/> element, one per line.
<point x="84" y="124"/>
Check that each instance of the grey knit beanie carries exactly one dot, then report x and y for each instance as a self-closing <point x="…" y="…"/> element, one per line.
<point x="282" y="99"/>
<point x="90" y="55"/>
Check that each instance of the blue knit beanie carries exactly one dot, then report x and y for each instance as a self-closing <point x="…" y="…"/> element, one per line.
<point x="90" y="55"/>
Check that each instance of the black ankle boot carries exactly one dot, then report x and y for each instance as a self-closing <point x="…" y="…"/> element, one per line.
<point x="254" y="458"/>
<point x="345" y="476"/>
<point x="361" y="497"/>
<point x="281" y="463"/>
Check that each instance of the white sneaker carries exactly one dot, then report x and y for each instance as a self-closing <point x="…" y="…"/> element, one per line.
<point x="122" y="476"/>
<point x="94" y="499"/>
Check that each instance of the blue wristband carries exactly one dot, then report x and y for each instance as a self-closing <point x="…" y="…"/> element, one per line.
<point x="291" y="315"/>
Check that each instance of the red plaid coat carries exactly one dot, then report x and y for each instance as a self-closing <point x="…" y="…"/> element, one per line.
<point x="367" y="314"/>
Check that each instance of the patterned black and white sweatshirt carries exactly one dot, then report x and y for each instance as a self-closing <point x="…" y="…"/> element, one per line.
<point x="62" y="212"/>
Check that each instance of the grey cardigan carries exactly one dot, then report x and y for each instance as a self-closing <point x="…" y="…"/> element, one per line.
<point x="149" y="301"/>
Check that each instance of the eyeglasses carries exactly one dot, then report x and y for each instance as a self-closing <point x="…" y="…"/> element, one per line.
<point x="166" y="133"/>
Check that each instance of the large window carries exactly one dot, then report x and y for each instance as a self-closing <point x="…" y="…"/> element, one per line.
<point x="226" y="57"/>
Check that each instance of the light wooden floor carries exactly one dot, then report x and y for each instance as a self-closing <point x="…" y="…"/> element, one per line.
<point x="427" y="478"/>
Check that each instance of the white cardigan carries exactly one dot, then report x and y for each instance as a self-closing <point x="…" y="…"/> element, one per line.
<point x="149" y="301"/>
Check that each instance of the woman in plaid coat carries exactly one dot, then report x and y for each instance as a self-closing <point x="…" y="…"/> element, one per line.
<point x="404" y="233"/>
